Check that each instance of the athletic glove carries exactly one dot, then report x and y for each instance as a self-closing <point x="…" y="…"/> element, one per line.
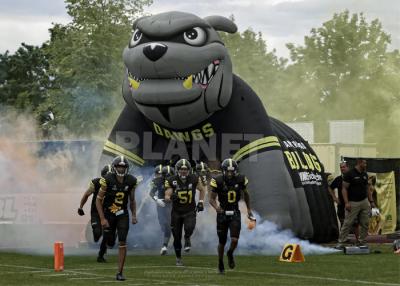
<point x="375" y="212"/>
<point x="200" y="206"/>
<point x="160" y="203"/>
<point x="81" y="212"/>
<point x="251" y="217"/>
<point x="252" y="221"/>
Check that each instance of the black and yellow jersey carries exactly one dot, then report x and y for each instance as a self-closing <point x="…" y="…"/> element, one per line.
<point x="117" y="194"/>
<point x="94" y="186"/>
<point x="157" y="187"/>
<point x="185" y="191"/>
<point x="229" y="191"/>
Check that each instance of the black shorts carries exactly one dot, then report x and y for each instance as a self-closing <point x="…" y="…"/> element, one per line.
<point x="186" y="220"/>
<point x="228" y="222"/>
<point x="118" y="224"/>
<point x="96" y="225"/>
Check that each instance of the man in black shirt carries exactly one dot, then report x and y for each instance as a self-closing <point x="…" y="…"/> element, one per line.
<point x="181" y="190"/>
<point x="116" y="189"/>
<point x="358" y="201"/>
<point x="228" y="187"/>
<point x="337" y="184"/>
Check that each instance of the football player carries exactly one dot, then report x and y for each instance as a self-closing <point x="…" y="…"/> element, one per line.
<point x="181" y="190"/>
<point x="93" y="189"/>
<point x="117" y="189"/>
<point x="229" y="187"/>
<point x="157" y="193"/>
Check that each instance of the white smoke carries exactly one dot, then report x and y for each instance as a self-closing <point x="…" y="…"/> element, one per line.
<point x="39" y="193"/>
<point x="39" y="197"/>
<point x="265" y="239"/>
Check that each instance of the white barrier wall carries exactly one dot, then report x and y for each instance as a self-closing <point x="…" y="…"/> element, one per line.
<point x="330" y="154"/>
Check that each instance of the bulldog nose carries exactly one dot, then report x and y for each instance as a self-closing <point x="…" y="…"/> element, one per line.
<point x="154" y="51"/>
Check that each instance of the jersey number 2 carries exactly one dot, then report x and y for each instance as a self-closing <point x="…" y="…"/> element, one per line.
<point x="119" y="197"/>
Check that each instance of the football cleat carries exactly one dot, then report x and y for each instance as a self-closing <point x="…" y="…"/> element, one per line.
<point x="179" y="262"/>
<point x="100" y="259"/>
<point x="188" y="245"/>
<point x="221" y="267"/>
<point x="164" y="250"/>
<point x="231" y="261"/>
<point x="120" y="277"/>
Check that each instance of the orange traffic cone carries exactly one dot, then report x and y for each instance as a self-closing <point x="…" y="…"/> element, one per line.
<point x="58" y="256"/>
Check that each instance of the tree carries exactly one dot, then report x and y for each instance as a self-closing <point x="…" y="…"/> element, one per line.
<point x="86" y="55"/>
<point x="24" y="78"/>
<point x="344" y="71"/>
<point x="261" y="69"/>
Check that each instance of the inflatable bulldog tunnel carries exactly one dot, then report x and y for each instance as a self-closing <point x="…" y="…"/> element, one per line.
<point x="182" y="99"/>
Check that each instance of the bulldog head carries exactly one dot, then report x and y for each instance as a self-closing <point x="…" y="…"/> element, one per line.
<point x="178" y="71"/>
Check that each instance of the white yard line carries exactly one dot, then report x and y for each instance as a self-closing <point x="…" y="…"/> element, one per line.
<point x="24" y="267"/>
<point x="18" y="272"/>
<point x="56" y="274"/>
<point x="318" y="278"/>
<point x="83" y="272"/>
<point x="83" y="278"/>
<point x="80" y="272"/>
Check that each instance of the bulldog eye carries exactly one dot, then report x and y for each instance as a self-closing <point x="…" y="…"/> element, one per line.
<point x="195" y="36"/>
<point x="136" y="37"/>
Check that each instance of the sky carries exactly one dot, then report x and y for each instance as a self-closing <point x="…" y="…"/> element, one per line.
<point x="280" y="21"/>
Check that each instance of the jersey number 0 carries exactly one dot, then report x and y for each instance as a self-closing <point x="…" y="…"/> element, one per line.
<point x="231" y="196"/>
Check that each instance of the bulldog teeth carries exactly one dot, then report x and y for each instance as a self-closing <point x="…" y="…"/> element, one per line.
<point x="204" y="77"/>
<point x="210" y="70"/>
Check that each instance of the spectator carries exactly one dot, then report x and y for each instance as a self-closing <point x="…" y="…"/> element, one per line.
<point x="357" y="200"/>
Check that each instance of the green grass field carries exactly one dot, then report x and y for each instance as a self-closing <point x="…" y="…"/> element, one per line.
<point x="332" y="269"/>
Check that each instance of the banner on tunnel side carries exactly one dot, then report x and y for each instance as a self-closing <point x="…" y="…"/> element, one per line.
<point x="386" y="200"/>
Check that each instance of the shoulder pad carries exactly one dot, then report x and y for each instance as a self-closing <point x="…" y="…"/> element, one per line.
<point x="216" y="181"/>
<point x="132" y="179"/>
<point x="194" y="178"/>
<point x="242" y="179"/>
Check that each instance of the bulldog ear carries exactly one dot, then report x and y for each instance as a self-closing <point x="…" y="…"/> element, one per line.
<point x="220" y="23"/>
<point x="137" y="21"/>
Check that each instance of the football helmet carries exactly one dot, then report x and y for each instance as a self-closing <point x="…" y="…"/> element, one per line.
<point x="106" y="169"/>
<point x="120" y="161"/>
<point x="158" y="169"/>
<point x="167" y="171"/>
<point x="183" y="168"/>
<point x="201" y="168"/>
<point x="229" y="165"/>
